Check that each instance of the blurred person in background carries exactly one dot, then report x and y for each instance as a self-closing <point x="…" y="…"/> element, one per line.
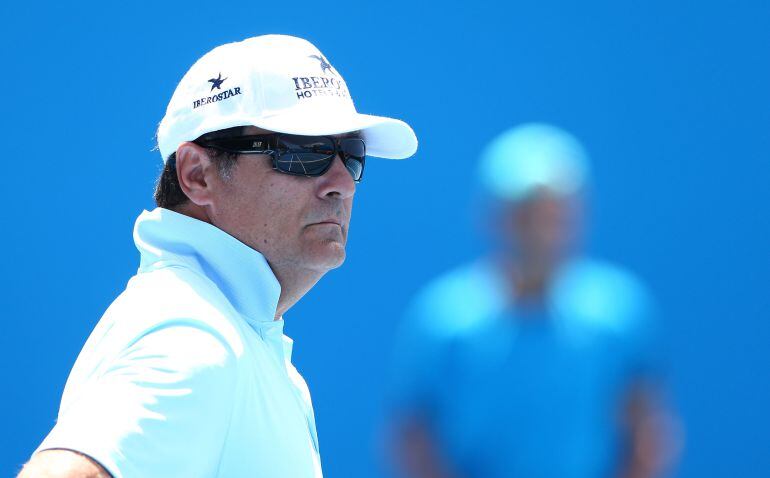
<point x="535" y="361"/>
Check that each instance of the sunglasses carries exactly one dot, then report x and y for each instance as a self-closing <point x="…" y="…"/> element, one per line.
<point x="298" y="155"/>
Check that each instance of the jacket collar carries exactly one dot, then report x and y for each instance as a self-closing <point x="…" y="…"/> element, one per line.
<point x="166" y="237"/>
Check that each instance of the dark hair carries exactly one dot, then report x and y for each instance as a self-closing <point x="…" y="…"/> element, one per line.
<point x="168" y="192"/>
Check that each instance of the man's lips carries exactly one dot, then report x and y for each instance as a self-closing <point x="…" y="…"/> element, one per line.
<point x="327" y="221"/>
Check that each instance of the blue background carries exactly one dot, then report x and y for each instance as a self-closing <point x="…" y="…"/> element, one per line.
<point x="672" y="100"/>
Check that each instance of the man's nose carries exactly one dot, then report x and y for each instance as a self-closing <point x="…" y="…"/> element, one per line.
<point x="337" y="181"/>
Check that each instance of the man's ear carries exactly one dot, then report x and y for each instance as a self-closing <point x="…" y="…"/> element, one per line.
<point x="194" y="171"/>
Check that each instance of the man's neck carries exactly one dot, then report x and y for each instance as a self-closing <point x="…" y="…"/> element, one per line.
<point x="529" y="280"/>
<point x="294" y="285"/>
<point x="190" y="209"/>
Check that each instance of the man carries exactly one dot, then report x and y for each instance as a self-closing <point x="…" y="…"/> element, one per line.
<point x="188" y="372"/>
<point x="535" y="361"/>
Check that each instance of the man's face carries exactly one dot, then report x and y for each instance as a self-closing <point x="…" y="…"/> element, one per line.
<point x="543" y="227"/>
<point x="296" y="222"/>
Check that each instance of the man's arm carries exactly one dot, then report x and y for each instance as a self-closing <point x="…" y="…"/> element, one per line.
<point x="652" y="434"/>
<point x="62" y="464"/>
<point x="416" y="453"/>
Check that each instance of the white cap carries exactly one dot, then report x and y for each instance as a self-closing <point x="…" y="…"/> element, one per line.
<point x="531" y="156"/>
<point x="278" y="83"/>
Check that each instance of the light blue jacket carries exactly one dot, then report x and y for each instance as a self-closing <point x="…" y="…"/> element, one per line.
<point x="187" y="373"/>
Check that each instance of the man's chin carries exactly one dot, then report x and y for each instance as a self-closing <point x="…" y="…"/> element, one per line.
<point x="328" y="255"/>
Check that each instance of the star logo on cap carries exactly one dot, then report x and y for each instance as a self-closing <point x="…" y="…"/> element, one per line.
<point x="217" y="82"/>
<point x="325" y="65"/>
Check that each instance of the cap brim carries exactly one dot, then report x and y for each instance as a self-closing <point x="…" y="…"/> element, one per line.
<point x="385" y="137"/>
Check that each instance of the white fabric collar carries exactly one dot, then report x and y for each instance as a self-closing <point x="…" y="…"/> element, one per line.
<point x="242" y="273"/>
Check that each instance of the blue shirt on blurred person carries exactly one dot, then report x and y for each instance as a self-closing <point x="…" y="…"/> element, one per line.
<point x="536" y="361"/>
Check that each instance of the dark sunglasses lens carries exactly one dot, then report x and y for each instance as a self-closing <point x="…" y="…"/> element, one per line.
<point x="354" y="152"/>
<point x="353" y="147"/>
<point x="355" y="167"/>
<point x="306" y="155"/>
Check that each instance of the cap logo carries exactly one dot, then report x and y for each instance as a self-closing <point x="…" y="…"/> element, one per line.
<point x="217" y="82"/>
<point x="325" y="65"/>
<point x="322" y="85"/>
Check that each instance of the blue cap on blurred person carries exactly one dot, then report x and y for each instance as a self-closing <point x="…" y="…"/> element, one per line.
<point x="531" y="157"/>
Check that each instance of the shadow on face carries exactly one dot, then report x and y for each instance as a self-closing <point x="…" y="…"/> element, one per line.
<point x="543" y="227"/>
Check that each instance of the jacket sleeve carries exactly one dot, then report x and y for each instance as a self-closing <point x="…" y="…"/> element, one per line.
<point x="161" y="408"/>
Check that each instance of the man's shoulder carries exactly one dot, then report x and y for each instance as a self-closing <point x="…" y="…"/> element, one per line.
<point x="170" y="296"/>
<point x="604" y="294"/>
<point x="458" y="299"/>
<point x="170" y="320"/>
